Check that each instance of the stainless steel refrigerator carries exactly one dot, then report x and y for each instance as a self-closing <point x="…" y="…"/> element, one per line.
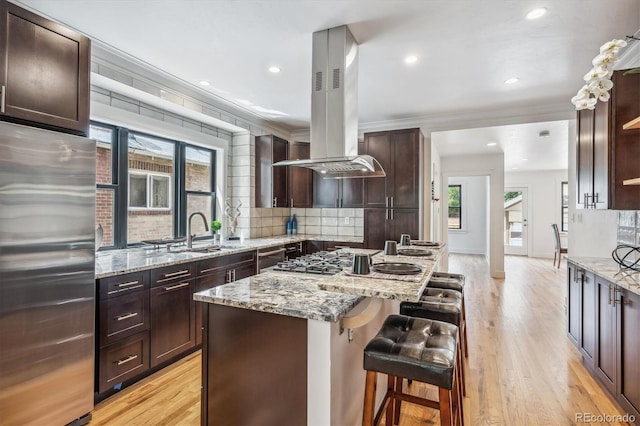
<point x="47" y="302"/>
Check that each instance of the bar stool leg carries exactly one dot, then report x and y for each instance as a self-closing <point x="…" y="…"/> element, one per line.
<point x="444" y="399"/>
<point x="369" y="399"/>
<point x="464" y="336"/>
<point x="461" y="368"/>
<point x="391" y="381"/>
<point x="396" y="419"/>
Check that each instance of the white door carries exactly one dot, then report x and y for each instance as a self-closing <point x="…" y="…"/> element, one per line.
<point x="515" y="221"/>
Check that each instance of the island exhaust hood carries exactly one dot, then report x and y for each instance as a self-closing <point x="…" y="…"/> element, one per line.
<point x="334" y="110"/>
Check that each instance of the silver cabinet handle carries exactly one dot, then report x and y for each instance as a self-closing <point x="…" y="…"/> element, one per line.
<point x="127" y="316"/>
<point x="126" y="360"/>
<point x="234" y="275"/>
<point x="391" y="204"/>
<point x="127" y="284"/>
<point x="594" y="199"/>
<point x="275" y="201"/>
<point x="228" y="276"/>
<point x="609" y="295"/>
<point x="175" y="274"/>
<point x="386" y="214"/>
<point x="386" y="202"/>
<point x="341" y="202"/>
<point x="3" y="98"/>
<point x="586" y="200"/>
<point x="392" y="214"/>
<point x="269" y="253"/>
<point x="175" y="287"/>
<point x="291" y="203"/>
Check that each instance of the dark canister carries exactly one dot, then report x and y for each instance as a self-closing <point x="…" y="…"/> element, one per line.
<point x="361" y="264"/>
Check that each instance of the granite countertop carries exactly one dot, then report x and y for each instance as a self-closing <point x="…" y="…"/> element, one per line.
<point x="606" y="268"/>
<point x="409" y="291"/>
<point x="294" y="295"/>
<point x="325" y="298"/>
<point x="116" y="262"/>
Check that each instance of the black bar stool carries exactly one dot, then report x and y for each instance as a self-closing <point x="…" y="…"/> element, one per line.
<point x="441" y="305"/>
<point x="418" y="349"/>
<point x="450" y="281"/>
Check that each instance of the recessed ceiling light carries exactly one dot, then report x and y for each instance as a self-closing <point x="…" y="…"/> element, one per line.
<point x="412" y="59"/>
<point x="274" y="70"/>
<point x="525" y="159"/>
<point x="492" y="144"/>
<point x="511" y="80"/>
<point x="205" y="83"/>
<point x="514" y="168"/>
<point x="537" y="13"/>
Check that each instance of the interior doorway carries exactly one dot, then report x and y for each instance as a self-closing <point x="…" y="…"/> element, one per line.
<point x="515" y="223"/>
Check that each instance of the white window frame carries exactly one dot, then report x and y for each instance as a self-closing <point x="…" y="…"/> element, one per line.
<point x="149" y="176"/>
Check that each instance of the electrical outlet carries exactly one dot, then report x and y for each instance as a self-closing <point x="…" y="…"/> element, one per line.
<point x="346" y="220"/>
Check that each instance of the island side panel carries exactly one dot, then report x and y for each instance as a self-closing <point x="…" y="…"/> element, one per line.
<point x="255" y="372"/>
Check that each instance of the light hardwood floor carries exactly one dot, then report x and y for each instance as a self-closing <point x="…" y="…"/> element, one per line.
<point x="522" y="369"/>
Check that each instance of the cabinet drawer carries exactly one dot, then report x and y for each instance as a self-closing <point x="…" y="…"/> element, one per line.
<point x="122" y="284"/>
<point x="337" y="245"/>
<point x="123" y="360"/>
<point x="123" y="316"/>
<point x="209" y="266"/>
<point x="180" y="272"/>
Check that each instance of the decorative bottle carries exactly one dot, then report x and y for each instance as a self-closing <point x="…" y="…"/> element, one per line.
<point x="288" y="228"/>
<point x="294" y="225"/>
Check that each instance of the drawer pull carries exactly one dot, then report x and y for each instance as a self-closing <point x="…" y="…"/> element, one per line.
<point x="127" y="284"/>
<point x="175" y="274"/>
<point x="174" y="287"/>
<point x="127" y="316"/>
<point x="270" y="253"/>
<point x="126" y="360"/>
<point x="123" y="289"/>
<point x="204" y="271"/>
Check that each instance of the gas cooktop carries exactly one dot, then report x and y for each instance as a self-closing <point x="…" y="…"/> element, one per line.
<point x="322" y="263"/>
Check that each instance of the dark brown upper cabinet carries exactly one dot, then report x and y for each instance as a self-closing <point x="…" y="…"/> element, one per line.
<point x="271" y="182"/>
<point x="606" y="154"/>
<point x="44" y="72"/>
<point x="398" y="151"/>
<point x="300" y="178"/>
<point x="339" y="193"/>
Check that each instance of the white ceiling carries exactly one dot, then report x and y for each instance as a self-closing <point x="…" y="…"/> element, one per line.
<point x="466" y="49"/>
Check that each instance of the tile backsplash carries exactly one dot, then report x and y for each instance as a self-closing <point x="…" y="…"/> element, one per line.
<point x="629" y="227"/>
<point x="267" y="222"/>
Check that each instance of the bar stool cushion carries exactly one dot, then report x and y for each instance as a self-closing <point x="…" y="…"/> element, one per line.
<point x="436" y="304"/>
<point x="447" y="280"/>
<point x="414" y="348"/>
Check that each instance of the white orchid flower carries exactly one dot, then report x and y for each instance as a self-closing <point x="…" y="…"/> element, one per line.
<point x="605" y="60"/>
<point x="603" y="96"/>
<point x="589" y="103"/>
<point x="596" y="73"/>
<point x="603" y="85"/>
<point x="612" y="46"/>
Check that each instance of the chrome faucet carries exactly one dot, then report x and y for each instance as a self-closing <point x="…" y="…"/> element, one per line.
<point x="189" y="236"/>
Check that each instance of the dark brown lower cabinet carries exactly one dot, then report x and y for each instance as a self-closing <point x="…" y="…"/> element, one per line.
<point x="629" y="350"/>
<point x="381" y="225"/>
<point x="172" y="320"/>
<point x="123" y="360"/>
<point x="605" y="317"/>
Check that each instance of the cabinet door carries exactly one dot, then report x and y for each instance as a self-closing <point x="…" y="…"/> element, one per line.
<point x="352" y="192"/>
<point x="123" y="360"/>
<point x="601" y="137"/>
<point x="629" y="349"/>
<point x="606" y="334"/>
<point x="280" y="195"/>
<point x="375" y="228"/>
<point x="123" y="316"/>
<point x="378" y="145"/>
<point x="574" y="286"/>
<point x="584" y="157"/>
<point x="44" y="70"/>
<point x="213" y="279"/>
<point x="172" y="320"/>
<point x="403" y="222"/>
<point x="326" y="192"/>
<point x="588" y="314"/>
<point x="313" y="246"/>
<point x="300" y="178"/>
<point x="404" y="188"/>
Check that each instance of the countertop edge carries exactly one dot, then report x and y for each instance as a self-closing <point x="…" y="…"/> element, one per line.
<point x="606" y="268"/>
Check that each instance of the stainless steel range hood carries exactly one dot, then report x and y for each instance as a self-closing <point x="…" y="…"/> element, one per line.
<point x="334" y="110"/>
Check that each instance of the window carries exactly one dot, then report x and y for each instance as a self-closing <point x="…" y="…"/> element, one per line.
<point x="565" y="206"/>
<point x="149" y="191"/>
<point x="455" y="207"/>
<point x="146" y="186"/>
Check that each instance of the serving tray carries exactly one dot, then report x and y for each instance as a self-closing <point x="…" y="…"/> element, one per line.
<point x="414" y="252"/>
<point x="396" y="268"/>
<point x="425" y="243"/>
<point x="168" y="240"/>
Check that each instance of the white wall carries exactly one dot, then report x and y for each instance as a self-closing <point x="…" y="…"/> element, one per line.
<point x="544" y="207"/>
<point x="473" y="237"/>
<point x="481" y="165"/>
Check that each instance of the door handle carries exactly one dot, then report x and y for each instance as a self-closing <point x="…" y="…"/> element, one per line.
<point x="126" y="360"/>
<point x="175" y="287"/>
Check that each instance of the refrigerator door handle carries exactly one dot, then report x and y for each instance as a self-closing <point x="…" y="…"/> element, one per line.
<point x="3" y="97"/>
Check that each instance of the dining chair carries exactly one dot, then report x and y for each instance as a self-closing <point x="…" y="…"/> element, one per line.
<point x="559" y="249"/>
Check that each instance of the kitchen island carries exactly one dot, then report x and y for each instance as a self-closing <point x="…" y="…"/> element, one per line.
<point x="286" y="348"/>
